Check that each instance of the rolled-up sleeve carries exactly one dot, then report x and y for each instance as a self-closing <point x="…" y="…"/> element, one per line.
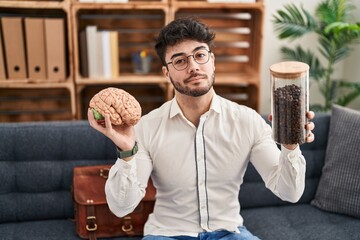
<point x="282" y="171"/>
<point x="122" y="178"/>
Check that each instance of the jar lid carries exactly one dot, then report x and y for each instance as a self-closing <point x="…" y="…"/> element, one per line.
<point x="290" y="69"/>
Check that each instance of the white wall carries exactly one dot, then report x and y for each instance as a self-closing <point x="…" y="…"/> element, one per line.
<point x="352" y="63"/>
<point x="348" y="69"/>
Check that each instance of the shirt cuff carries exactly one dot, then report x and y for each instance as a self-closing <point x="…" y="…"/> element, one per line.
<point x="126" y="167"/>
<point x="294" y="157"/>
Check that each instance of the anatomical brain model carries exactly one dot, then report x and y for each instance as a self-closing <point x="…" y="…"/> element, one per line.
<point x="122" y="107"/>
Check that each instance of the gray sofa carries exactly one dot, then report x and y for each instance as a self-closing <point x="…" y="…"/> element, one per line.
<point x="37" y="159"/>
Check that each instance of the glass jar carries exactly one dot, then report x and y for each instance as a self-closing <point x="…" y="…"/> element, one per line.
<point x="289" y="101"/>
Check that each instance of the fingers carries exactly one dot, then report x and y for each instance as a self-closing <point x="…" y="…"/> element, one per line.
<point x="310" y="137"/>
<point x="310" y="115"/>
<point x="91" y="117"/>
<point x="310" y="126"/>
<point x="108" y="123"/>
<point x="93" y="123"/>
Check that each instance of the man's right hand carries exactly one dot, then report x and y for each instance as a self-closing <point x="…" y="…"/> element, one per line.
<point x="123" y="136"/>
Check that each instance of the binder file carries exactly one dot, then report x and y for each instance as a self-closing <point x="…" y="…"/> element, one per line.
<point x="84" y="68"/>
<point x="2" y="60"/>
<point x="106" y="54"/>
<point x="35" y="47"/>
<point x="55" y="48"/>
<point x="114" y="54"/>
<point x="14" y="47"/>
<point x="99" y="55"/>
<point x="92" y="51"/>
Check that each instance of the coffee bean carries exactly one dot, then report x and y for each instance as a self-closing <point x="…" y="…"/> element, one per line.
<point x="289" y="115"/>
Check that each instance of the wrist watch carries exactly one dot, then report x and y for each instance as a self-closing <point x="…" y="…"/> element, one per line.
<point x="129" y="153"/>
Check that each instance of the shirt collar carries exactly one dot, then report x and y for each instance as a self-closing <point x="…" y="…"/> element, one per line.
<point x="215" y="104"/>
<point x="175" y="108"/>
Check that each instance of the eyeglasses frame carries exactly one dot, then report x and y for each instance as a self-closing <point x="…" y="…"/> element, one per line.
<point x="192" y="55"/>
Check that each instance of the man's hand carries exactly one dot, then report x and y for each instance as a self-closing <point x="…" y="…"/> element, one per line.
<point x="122" y="136"/>
<point x="309" y="126"/>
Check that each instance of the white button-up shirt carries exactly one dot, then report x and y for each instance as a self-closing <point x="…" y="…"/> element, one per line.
<point x="197" y="171"/>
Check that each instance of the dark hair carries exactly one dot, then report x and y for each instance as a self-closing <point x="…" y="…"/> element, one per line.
<point x="182" y="29"/>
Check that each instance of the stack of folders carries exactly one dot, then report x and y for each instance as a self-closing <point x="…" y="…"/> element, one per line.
<point x="99" y="53"/>
<point x="32" y="48"/>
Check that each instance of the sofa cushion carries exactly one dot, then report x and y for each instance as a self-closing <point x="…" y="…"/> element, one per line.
<point x="299" y="222"/>
<point x="36" y="167"/>
<point x="339" y="186"/>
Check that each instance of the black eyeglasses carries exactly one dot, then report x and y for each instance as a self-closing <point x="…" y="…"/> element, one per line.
<point x="201" y="56"/>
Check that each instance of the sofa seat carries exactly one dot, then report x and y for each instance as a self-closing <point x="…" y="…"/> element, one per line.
<point x="36" y="170"/>
<point x="299" y="222"/>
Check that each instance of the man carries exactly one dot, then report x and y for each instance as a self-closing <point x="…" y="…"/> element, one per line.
<point x="196" y="149"/>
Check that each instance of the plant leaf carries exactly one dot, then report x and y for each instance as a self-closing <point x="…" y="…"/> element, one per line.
<point x="316" y="71"/>
<point x="354" y="88"/>
<point x="293" y="22"/>
<point x="335" y="37"/>
<point x="332" y="49"/>
<point x="338" y="27"/>
<point x="330" y="11"/>
<point x="343" y="33"/>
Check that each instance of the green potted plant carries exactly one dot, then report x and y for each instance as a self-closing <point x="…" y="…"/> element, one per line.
<point x="335" y="37"/>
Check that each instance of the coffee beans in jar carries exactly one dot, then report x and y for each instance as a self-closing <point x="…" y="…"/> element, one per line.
<point x="289" y="101"/>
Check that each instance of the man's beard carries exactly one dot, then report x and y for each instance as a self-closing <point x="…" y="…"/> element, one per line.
<point x="194" y="92"/>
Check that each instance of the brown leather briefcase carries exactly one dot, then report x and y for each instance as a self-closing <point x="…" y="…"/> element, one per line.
<point x="92" y="215"/>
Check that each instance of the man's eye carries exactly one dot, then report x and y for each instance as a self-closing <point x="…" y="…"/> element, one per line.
<point x="180" y="61"/>
<point x="200" y="55"/>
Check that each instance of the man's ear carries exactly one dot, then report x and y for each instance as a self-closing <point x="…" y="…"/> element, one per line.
<point x="165" y="71"/>
<point x="213" y="59"/>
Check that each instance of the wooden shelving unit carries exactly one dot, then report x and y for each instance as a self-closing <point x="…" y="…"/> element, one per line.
<point x="238" y="41"/>
<point x="137" y="24"/>
<point x="12" y="88"/>
<point x="237" y="47"/>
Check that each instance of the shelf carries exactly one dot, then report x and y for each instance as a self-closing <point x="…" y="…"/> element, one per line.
<point x="117" y="4"/>
<point x="238" y="27"/>
<point x="35" y="4"/>
<point x="226" y="2"/>
<point x="43" y="9"/>
<point x="35" y="104"/>
<point x="237" y="50"/>
<point x="217" y="5"/>
<point x="126" y="79"/>
<point x="136" y="31"/>
<point x="21" y="83"/>
<point x="238" y="79"/>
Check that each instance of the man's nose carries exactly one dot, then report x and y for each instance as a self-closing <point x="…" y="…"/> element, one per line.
<point x="192" y="64"/>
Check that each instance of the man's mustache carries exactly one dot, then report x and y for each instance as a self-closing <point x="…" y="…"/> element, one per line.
<point x="195" y="75"/>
